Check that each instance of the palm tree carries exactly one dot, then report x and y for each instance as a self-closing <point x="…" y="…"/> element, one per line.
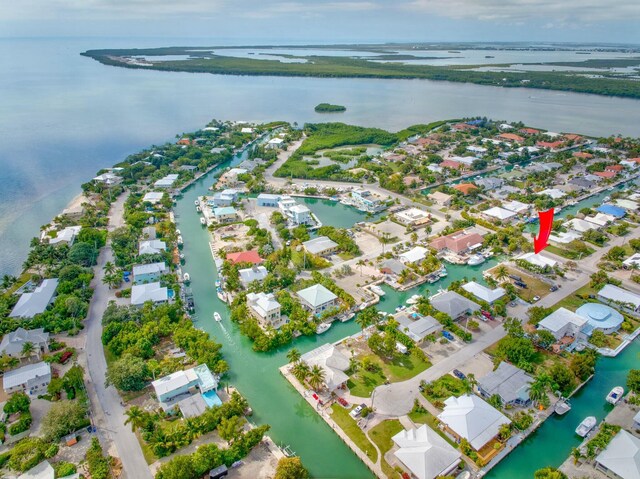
<point x="135" y="417"/>
<point x="7" y="281"/>
<point x="28" y="349"/>
<point x="501" y="272"/>
<point x="366" y="318"/>
<point x="109" y="267"/>
<point x="301" y="370"/>
<point x="316" y="377"/>
<point x="538" y="391"/>
<point x="354" y="365"/>
<point x="360" y="264"/>
<point x="293" y="355"/>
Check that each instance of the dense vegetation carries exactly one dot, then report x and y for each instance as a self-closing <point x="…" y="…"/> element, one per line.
<point x="329" y="108"/>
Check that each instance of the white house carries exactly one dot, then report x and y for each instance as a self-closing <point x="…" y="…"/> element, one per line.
<point x="153" y="197"/>
<point x="13" y="342"/>
<point x="108" y="179"/>
<point x="412" y="217"/>
<point x="563" y="322"/>
<point x="300" y="215"/>
<point x="225" y="214"/>
<point x="621" y="457"/>
<point x="31" y="379"/>
<point x="483" y="293"/>
<point x="333" y="363"/>
<point x="37" y="301"/>
<point x="265" y="308"/>
<point x="321" y="246"/>
<point x="167" y="181"/>
<point x="499" y="213"/>
<point x="147" y="273"/>
<point x="66" y="235"/>
<point x="414" y="255"/>
<point x="255" y="273"/>
<point x="425" y="453"/>
<point x="317" y="299"/>
<point x="538" y="260"/>
<point x="600" y="219"/>
<point x="275" y="143"/>
<point x="141" y="293"/>
<point x="179" y="384"/>
<point x="151" y="247"/>
<point x="517" y="207"/>
<point x="580" y="226"/>
<point x="553" y="193"/>
<point x="617" y="296"/>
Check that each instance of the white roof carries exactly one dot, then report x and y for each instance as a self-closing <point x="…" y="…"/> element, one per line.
<point x="151" y="246"/>
<point x="516" y="206"/>
<point x="538" y="260"/>
<point x="150" y="268"/>
<point x="553" y="193"/>
<point x="467" y="160"/>
<point x="600" y="219"/>
<point x="153" y="196"/>
<point x="425" y="453"/>
<point x="565" y="237"/>
<point x="614" y="293"/>
<point x="452" y="303"/>
<point x="276" y="141"/>
<point x="560" y="318"/>
<point x="25" y="374"/>
<point x="627" y="204"/>
<point x="414" y="255"/>
<point x="579" y="225"/>
<point x="633" y="259"/>
<point x="484" y="293"/>
<point x="316" y="295"/>
<point x="174" y="381"/>
<point x="248" y="275"/>
<point x="500" y="213"/>
<point x="141" y="293"/>
<point x="299" y="209"/>
<point x="44" y="470"/>
<point x="247" y="130"/>
<point x="473" y="419"/>
<point x="622" y="456"/>
<point x="332" y="361"/>
<point x="263" y="303"/>
<point x="412" y="214"/>
<point x="67" y="235"/>
<point x="36" y="302"/>
<point x="419" y="328"/>
<point x="319" y="244"/>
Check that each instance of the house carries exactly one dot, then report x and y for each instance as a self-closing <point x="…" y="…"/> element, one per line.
<point x="600" y="317"/>
<point x="529" y="131"/>
<point x="44" y="470"/>
<point x="392" y="266"/>
<point x="412" y="217"/>
<point x="365" y="201"/>
<point x="321" y="246"/>
<point x="453" y="165"/>
<point x="582" y="183"/>
<point x="612" y="210"/>
<point x="300" y="215"/>
<point x="453" y="304"/>
<point x="249" y="275"/>
<point x="275" y="143"/>
<point x="606" y="174"/>
<point x="182" y="383"/>
<point x="580" y="226"/>
<point x="632" y="261"/>
<point x="149" y="232"/>
<point x="265" y="308"/>
<point x="37" y="301"/>
<point x="490" y="183"/>
<point x="153" y="246"/>
<point x="425" y="453"/>
<point x="246" y="130"/>
<point x="600" y="219"/>
<point x="217" y="150"/>
<point x="504" y="192"/>
<point x="188" y="168"/>
<point x="538" y="260"/>
<point x="512" y="384"/>
<point x="332" y="362"/>
<point x="631" y="164"/>
<point x="615" y="295"/>
<point x="614" y="168"/>
<point x="108" y="179"/>
<point x="563" y="323"/>
<point x="458" y="242"/>
<point x="65" y="236"/>
<point x="483" y="293"/>
<point x="478" y="150"/>
<point x="31" y="379"/>
<point x="627" y="204"/>
<point x="510" y="137"/>
<point x="245" y="257"/>
<point x="416" y="326"/>
<point x="268" y="200"/>
<point x="141" y="293"/>
<point x="317" y="299"/>
<point x="621" y="457"/>
<point x="583" y="155"/>
<point x="224" y="198"/>
<point x="153" y="197"/>
<point x="167" y="181"/>
<point x="517" y="207"/>
<point x="564" y="237"/>
<point x="467" y="161"/>
<point x="552" y="145"/>
<point x="184" y="141"/>
<point x="470" y="417"/>
<point x="440" y="198"/>
<point x="147" y="273"/>
<point x="13" y="343"/>
<point x="554" y="193"/>
<point x="497" y="213"/>
<point x="225" y="214"/>
<point x="465" y="188"/>
<point x="414" y="255"/>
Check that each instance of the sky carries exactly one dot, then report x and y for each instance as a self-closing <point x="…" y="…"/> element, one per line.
<point x="328" y="21"/>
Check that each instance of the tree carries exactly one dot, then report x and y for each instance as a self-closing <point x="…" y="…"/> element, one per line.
<point x="129" y="373"/>
<point x="63" y="417"/>
<point x="543" y="338"/>
<point x="549" y="473"/>
<point x="291" y="468"/>
<point x="83" y="253"/>
<point x="230" y="429"/>
<point x="367" y="317"/>
<point x="598" y="339"/>
<point x="301" y="371"/>
<point x="501" y="273"/>
<point x="180" y="467"/>
<point x="583" y="365"/>
<point x="633" y="381"/>
<point x="28" y="349"/>
<point x="293" y="355"/>
<point x="316" y="377"/>
<point x="136" y="417"/>
<point x="563" y="377"/>
<point x="19" y="402"/>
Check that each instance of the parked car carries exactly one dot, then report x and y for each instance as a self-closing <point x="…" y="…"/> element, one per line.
<point x="459" y="374"/>
<point x="66" y="356"/>
<point x="447" y="335"/>
<point x="536" y="298"/>
<point x="486" y="314"/>
<point x="553" y="288"/>
<point x="356" y="412"/>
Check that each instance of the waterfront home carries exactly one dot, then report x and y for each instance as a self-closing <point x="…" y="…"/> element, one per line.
<point x="275" y="143"/>
<point x="244" y="257"/>
<point x="440" y="198"/>
<point x="414" y="255"/>
<point x="295" y="213"/>
<point x="582" y="183"/>
<point x="31" y="379"/>
<point x="630" y="163"/>
<point x="504" y="192"/>
<point x="180" y="384"/>
<point x="617" y="296"/>
<point x="149" y="233"/>
<point x="600" y="317"/>
<point x="416" y="326"/>
<point x="537" y="260"/>
<point x="452" y="165"/>
<point x="268" y="200"/>
<point x="453" y="304"/>
<point x="285" y="204"/>
<point x="627" y="204"/>
<point x="459" y="242"/>
<point x="333" y="362"/>
<point x="152" y="246"/>
<point x="65" y="236"/>
<point x="580" y="226"/>
<point x="465" y="188"/>
<point x="435" y="168"/>
<point x="321" y="246"/>
<point x="153" y="197"/>
<point x="612" y="210"/>
<point x="478" y="150"/>
<point x="470" y="417"/>
<point x="44" y="470"/>
<point x="35" y="302"/>
<point x="490" y="183"/>
<point x="564" y="237"/>
<point x="147" y="273"/>
<point x="392" y="267"/>
<point x="600" y="219"/>
<point x="563" y="323"/>
<point x="141" y="293"/>
<point x="510" y="137"/>
<point x="217" y="150"/>
<point x="412" y="217"/>
<point x="553" y="193"/>
<point x="621" y="457"/>
<point x="483" y="293"/>
<point x="13" y="343"/>
<point x="108" y="179"/>
<point x="467" y="161"/>
<point x="224" y="198"/>
<point x="364" y="200"/>
<point x="517" y="207"/>
<point x="225" y="214"/>
<point x="510" y="383"/>
<point x="607" y="175"/>
<point x="167" y="181"/>
<point x="249" y="275"/>
<point x="265" y="308"/>
<point x="497" y="213"/>
<point x="529" y="131"/>
<point x="317" y="299"/>
<point x="425" y="453"/>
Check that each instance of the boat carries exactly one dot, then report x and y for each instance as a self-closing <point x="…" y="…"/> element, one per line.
<point x="606" y="198"/>
<point x="346" y="317"/>
<point x="222" y="296"/>
<point x="186" y="278"/>
<point x="217" y="283"/>
<point x="414" y="299"/>
<point x="562" y="407"/>
<point x="178" y="232"/>
<point x="443" y="272"/>
<point x="196" y="202"/>
<point x="323" y="328"/>
<point x="198" y="209"/>
<point x="182" y="256"/>
<point x="203" y="222"/>
<point x="376" y="289"/>
<point x="615" y="395"/>
<point x="180" y="242"/>
<point x="475" y="260"/>
<point x="217" y="316"/>
<point x="585" y="427"/>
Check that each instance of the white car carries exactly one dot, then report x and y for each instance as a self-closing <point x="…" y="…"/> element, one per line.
<point x="536" y="298"/>
<point x="356" y="412"/>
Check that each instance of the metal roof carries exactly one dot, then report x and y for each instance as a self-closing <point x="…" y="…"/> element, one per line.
<point x="36" y="302"/>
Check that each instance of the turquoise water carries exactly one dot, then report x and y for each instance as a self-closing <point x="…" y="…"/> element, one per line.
<point x="211" y="398"/>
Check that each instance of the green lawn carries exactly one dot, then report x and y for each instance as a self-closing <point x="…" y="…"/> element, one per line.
<point x="566" y="253"/>
<point x="431" y="421"/>
<point x="443" y="388"/>
<point x="341" y="416"/>
<point x="381" y="435"/>
<point x="364" y="382"/>
<point x="574" y="301"/>
<point x="21" y="280"/>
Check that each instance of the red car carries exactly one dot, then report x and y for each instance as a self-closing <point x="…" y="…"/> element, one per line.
<point x="65" y="357"/>
<point x="315" y="396"/>
<point x="486" y="314"/>
<point x="343" y="402"/>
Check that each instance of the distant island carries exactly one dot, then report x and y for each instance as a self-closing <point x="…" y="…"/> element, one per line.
<point x="329" y="108"/>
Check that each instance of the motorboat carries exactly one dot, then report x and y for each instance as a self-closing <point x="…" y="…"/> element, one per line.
<point x="346" y="317"/>
<point x="615" y="396"/>
<point x="222" y="296"/>
<point x="414" y="299"/>
<point x="196" y="202"/>
<point x="475" y="260"/>
<point x="180" y="241"/>
<point x="376" y="289"/>
<point x="323" y="328"/>
<point x="217" y="316"/>
<point x="586" y="426"/>
<point x="203" y="222"/>
<point x="442" y="272"/>
<point x="178" y="232"/>
<point x="186" y="278"/>
<point x="217" y="283"/>
<point x="562" y="407"/>
<point x="198" y="209"/>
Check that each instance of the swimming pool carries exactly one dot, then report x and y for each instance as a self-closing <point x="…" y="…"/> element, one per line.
<point x="211" y="398"/>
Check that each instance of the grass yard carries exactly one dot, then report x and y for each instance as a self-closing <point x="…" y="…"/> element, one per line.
<point x="574" y="301"/>
<point x="363" y="383"/>
<point x="341" y="416"/>
<point x="535" y="286"/>
<point x="431" y="421"/>
<point x="567" y="253"/>
<point x="400" y="368"/>
<point x="443" y="388"/>
<point x="381" y="435"/>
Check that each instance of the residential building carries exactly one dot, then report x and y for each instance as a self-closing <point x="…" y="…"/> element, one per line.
<point x="414" y="255"/>
<point x="471" y="418"/>
<point x="392" y="267"/>
<point x="620" y="459"/>
<point x="154" y="292"/>
<point x="490" y="183"/>
<point x="245" y="257"/>
<point x="364" y="200"/>
<point x="580" y="226"/>
<point x="37" y="301"/>
<point x="268" y="200"/>
<point x="563" y="323"/>
<point x="600" y="219"/>
<point x="452" y="165"/>
<point x="225" y="214"/>
<point x="416" y="326"/>
<point x="600" y="317"/>
<point x="632" y="261"/>
<point x="64" y="236"/>
<point x="285" y="204"/>
<point x="153" y="197"/>
<point x="178" y="385"/>
<point x="321" y="246"/>
<point x="412" y="217"/>
<point x="148" y="273"/>
<point x="564" y="237"/>
<point x="440" y="198"/>
<point x="458" y="242"/>
<point x="317" y="299"/>
<point x="13" y="343"/>
<point x="453" y="304"/>
<point x="333" y="362"/>
<point x="483" y="293"/>
<point x="627" y="204"/>
<point x="512" y="384"/>
<point x="152" y="246"/>
<point x="467" y="161"/>
<point x="275" y="143"/>
<point x="554" y="193"/>
<point x="167" y="181"/>
<point x="612" y="210"/>
<point x="517" y="207"/>
<point x="44" y="470"/>
<point x="249" y="275"/>
<point x="617" y="296"/>
<point x="265" y="308"/>
<point x="425" y="453"/>
<point x="497" y="213"/>
<point x="582" y="183"/>
<point x="224" y="198"/>
<point x="537" y="260"/>
<point x="510" y="137"/>
<point x="31" y="379"/>
<point x="108" y="179"/>
<point x="300" y="215"/>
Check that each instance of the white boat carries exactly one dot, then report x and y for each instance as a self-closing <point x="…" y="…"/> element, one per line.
<point x="222" y="296"/>
<point x="615" y="396"/>
<point x="178" y="232"/>
<point x="186" y="278"/>
<point x="180" y="242"/>
<point x="217" y="283"/>
<point x="217" y="316"/>
<point x="323" y="328"/>
<point x="562" y="407"/>
<point x="203" y="222"/>
<point x="414" y="299"/>
<point x="443" y="272"/>
<point x="346" y="317"/>
<point x="475" y="260"/>
<point x="198" y="209"/>
<point x="585" y="427"/>
<point x="376" y="289"/>
<point x="196" y="202"/>
<point x="606" y="198"/>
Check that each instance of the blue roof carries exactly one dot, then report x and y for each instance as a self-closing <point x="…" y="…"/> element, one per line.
<point x="600" y="316"/>
<point x="612" y="210"/>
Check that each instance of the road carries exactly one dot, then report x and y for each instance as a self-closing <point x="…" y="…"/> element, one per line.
<point x="105" y="401"/>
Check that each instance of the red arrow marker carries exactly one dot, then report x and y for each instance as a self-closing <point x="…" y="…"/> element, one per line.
<point x="546" y="223"/>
